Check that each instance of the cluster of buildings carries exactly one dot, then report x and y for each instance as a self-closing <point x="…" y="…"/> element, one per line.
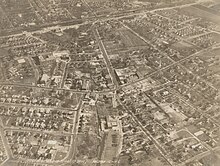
<point x="18" y="40"/>
<point x="108" y="7"/>
<point x="175" y="14"/>
<point x="31" y="50"/>
<point x="164" y="123"/>
<point x="37" y="97"/>
<point x="92" y="76"/>
<point x="51" y="68"/>
<point x="34" y="13"/>
<point x="37" y="146"/>
<point x="137" y="147"/>
<point x="134" y="64"/>
<point x="77" y="39"/>
<point x="56" y="11"/>
<point x="136" y="90"/>
<point x="88" y="120"/>
<point x="78" y="64"/>
<point x="99" y="119"/>
<point x="111" y="35"/>
<point x="19" y="14"/>
<point x="179" y="111"/>
<point x="206" y="40"/>
<point x="38" y="125"/>
<point x="19" y="70"/>
<point x="17" y="63"/>
<point x="153" y="28"/>
<point x="37" y="118"/>
<point x="189" y="31"/>
<point x="177" y="53"/>
<point x="164" y="28"/>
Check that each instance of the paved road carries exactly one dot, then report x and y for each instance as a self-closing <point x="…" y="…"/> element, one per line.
<point x="158" y="146"/>
<point x="4" y="140"/>
<point x="57" y="133"/>
<point x="113" y="77"/>
<point x="72" y="152"/>
<point x="106" y="58"/>
<point x="166" y="67"/>
<point x="33" y="106"/>
<point x="199" y="48"/>
<point x="92" y="19"/>
<point x="48" y="88"/>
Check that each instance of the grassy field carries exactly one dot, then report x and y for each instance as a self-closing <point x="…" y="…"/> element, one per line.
<point x="181" y="45"/>
<point x="184" y="134"/>
<point x="60" y="155"/>
<point x="216" y="37"/>
<point x="211" y="160"/>
<point x="110" y="152"/>
<point x="130" y="39"/>
<point x="127" y="39"/>
<point x="207" y="15"/>
<point x="87" y="146"/>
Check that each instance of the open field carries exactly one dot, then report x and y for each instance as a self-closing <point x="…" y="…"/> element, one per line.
<point x="192" y="10"/>
<point x="130" y="39"/>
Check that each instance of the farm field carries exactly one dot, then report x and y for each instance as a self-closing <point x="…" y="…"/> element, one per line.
<point x="198" y="12"/>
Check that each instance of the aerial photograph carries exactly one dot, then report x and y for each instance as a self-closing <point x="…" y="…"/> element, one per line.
<point x="109" y="82"/>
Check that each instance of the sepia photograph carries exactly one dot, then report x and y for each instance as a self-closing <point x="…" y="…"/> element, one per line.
<point x="109" y="82"/>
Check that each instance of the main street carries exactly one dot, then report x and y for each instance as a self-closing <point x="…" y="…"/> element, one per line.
<point x="106" y="58"/>
<point x="54" y="88"/>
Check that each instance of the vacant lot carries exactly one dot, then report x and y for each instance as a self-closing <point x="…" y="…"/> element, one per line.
<point x="131" y="39"/>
